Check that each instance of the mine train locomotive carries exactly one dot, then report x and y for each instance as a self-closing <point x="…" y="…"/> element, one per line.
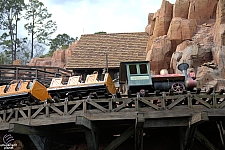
<point x="134" y="77"/>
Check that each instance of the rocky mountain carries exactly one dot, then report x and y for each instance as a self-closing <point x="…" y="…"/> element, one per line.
<point x="190" y="31"/>
<point x="59" y="59"/>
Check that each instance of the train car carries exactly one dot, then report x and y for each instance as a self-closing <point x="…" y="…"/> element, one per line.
<point x="21" y="92"/>
<point x="136" y="77"/>
<point x="73" y="89"/>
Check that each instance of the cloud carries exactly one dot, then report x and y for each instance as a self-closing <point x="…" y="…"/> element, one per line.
<point x="77" y="17"/>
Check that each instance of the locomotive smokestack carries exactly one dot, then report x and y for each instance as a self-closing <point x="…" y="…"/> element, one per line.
<point x="183" y="67"/>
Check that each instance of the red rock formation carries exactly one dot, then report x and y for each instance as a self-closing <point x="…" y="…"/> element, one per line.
<point x="59" y="58"/>
<point x="195" y="35"/>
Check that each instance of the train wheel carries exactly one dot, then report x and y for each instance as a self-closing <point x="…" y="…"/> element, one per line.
<point x="178" y="87"/>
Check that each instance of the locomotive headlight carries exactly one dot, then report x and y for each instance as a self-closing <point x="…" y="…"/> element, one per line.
<point x="142" y="92"/>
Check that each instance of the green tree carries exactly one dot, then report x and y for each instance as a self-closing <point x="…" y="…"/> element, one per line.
<point x="10" y="10"/>
<point x="100" y="32"/>
<point x="40" y="26"/>
<point x="62" y="41"/>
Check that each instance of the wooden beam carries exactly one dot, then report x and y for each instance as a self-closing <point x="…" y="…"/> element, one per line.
<point x="202" y="139"/>
<point x="80" y="120"/>
<point x="91" y="139"/>
<point x="23" y="129"/>
<point x="199" y="118"/>
<point x="189" y="137"/>
<point x="181" y="137"/>
<point x="41" y="143"/>
<point x="123" y="137"/>
<point x="195" y="120"/>
<point x="166" y="122"/>
<point x="91" y="132"/>
<point x="221" y="132"/>
<point x="139" y="131"/>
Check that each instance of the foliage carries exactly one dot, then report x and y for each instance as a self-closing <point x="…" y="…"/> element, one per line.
<point x="101" y="32"/>
<point x="62" y="41"/>
<point x="10" y="10"/>
<point x="40" y="26"/>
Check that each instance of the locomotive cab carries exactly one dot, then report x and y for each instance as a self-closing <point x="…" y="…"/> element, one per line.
<point x="135" y="77"/>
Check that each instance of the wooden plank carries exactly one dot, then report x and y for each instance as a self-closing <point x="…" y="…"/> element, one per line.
<point x="97" y="106"/>
<point x="199" y="118"/>
<point x="166" y="122"/>
<point x="9" y="117"/>
<point x="41" y="143"/>
<point x="37" y="112"/>
<point x="122" y="105"/>
<point x="163" y="101"/>
<point x="80" y="120"/>
<point x="139" y="131"/>
<point x="23" y="114"/>
<point x="175" y="102"/>
<point x="181" y="138"/>
<point x="149" y="103"/>
<point x="123" y="137"/>
<point x="56" y="109"/>
<point x="24" y="129"/>
<point x="74" y="108"/>
<point x="221" y="132"/>
<point x="202" y="139"/>
<point x="201" y="101"/>
<point x="37" y="142"/>
<point x="91" y="139"/>
<point x="189" y="137"/>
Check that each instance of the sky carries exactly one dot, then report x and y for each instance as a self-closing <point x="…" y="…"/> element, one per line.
<point x="77" y="17"/>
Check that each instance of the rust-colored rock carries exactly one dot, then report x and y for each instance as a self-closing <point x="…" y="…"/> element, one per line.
<point x="150" y="27"/>
<point x="181" y="9"/>
<point x="182" y="29"/>
<point x="162" y="19"/>
<point x="160" y="54"/>
<point x="202" y="10"/>
<point x="59" y="58"/>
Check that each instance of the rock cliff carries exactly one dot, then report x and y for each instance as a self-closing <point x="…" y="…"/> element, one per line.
<point x="190" y="31"/>
<point x="59" y="58"/>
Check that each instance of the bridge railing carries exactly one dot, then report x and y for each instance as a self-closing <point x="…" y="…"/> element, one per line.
<point x="57" y="112"/>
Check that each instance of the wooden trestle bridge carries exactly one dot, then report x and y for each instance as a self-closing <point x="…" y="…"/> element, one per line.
<point x="122" y="119"/>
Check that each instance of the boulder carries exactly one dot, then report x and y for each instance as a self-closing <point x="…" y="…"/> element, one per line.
<point x="59" y="58"/>
<point x="202" y="10"/>
<point x="181" y="8"/>
<point x="182" y="29"/>
<point x="160" y="54"/>
<point x="162" y="19"/>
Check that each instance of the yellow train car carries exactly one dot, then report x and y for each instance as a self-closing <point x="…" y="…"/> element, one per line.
<point x="22" y="91"/>
<point x="76" y="90"/>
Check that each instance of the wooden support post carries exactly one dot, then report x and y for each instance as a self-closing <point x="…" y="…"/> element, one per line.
<point x="41" y="143"/>
<point x="91" y="132"/>
<point x="202" y="139"/>
<point x="221" y="132"/>
<point x="195" y="120"/>
<point x="139" y="132"/>
<point x="163" y="101"/>
<point x="123" y="137"/>
<point x="189" y="137"/>
<point x="66" y="107"/>
<point x="189" y="99"/>
<point x="181" y="138"/>
<point x="92" y="139"/>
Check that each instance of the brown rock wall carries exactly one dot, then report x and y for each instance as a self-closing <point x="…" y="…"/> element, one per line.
<point x="162" y="19"/>
<point x="202" y="10"/>
<point x="160" y="54"/>
<point x="181" y="9"/>
<point x="182" y="29"/>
